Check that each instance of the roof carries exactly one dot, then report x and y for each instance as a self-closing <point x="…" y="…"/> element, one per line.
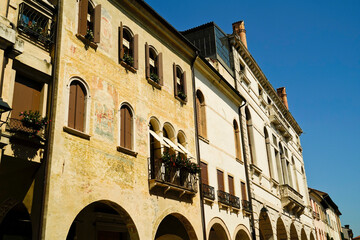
<point x="327" y="199"/>
<point x="358" y="237"/>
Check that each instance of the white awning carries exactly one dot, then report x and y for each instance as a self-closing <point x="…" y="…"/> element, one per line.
<point x="172" y="145"/>
<point x="185" y="150"/>
<point x="157" y="137"/>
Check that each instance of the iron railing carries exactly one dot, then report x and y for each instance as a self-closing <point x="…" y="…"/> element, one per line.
<point x="171" y="176"/>
<point x="246" y="205"/>
<point x="234" y="201"/>
<point x="35" y="24"/>
<point x="223" y="197"/>
<point x="208" y="191"/>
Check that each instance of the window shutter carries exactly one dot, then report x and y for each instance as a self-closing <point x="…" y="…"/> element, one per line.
<point x="160" y="68"/>
<point x="72" y="106"/>
<point x="128" y="128"/>
<point x="122" y="127"/>
<point x="147" y="64"/>
<point x="243" y="191"/>
<point x="175" y="82"/>
<point x="220" y="177"/>
<point x="83" y="10"/>
<point x="231" y="185"/>
<point x="198" y="109"/>
<point x="80" y="108"/>
<point x="136" y="51"/>
<point x="204" y="173"/>
<point x="121" y="37"/>
<point x="184" y="84"/>
<point x="97" y="23"/>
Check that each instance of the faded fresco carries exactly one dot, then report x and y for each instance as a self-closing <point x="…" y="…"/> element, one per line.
<point x="106" y="31"/>
<point x="104" y="111"/>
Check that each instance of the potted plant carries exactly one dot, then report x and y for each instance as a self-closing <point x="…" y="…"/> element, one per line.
<point x="129" y="60"/>
<point x="154" y="77"/>
<point x="169" y="161"/>
<point x="194" y="168"/>
<point x="182" y="95"/>
<point x="33" y="120"/>
<point x="89" y="35"/>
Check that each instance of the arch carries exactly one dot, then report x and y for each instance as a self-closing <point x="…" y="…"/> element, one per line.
<point x="312" y="236"/>
<point x="241" y="233"/>
<point x="16" y="223"/>
<point x="293" y="232"/>
<point x="154" y="123"/>
<point x="237" y="140"/>
<point x="217" y="230"/>
<point x="303" y="234"/>
<point x="127" y="126"/>
<point x="154" y="148"/>
<point x="201" y="113"/>
<point x="181" y="138"/>
<point x="265" y="227"/>
<point x="175" y="226"/>
<point x="250" y="135"/>
<point x="169" y="131"/>
<point x="281" y="230"/>
<point x="101" y="220"/>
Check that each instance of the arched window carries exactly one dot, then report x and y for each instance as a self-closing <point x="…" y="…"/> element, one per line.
<point x="153" y="63"/>
<point x="155" y="149"/>
<point x="179" y="83"/>
<point x="282" y="171"/>
<point x="250" y="135"/>
<point x="128" y="47"/>
<point x="126" y="127"/>
<point x="201" y="116"/>
<point x="268" y="151"/>
<point x="237" y="140"/>
<point x="295" y="174"/>
<point x="77" y="106"/>
<point x="89" y="21"/>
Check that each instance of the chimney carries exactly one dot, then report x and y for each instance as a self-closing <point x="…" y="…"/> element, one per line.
<point x="283" y="96"/>
<point x="239" y="29"/>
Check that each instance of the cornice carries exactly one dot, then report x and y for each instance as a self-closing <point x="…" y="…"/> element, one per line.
<point x="250" y="61"/>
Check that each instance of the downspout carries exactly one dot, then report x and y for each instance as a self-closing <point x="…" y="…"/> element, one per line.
<point x="198" y="146"/>
<point x="51" y="126"/>
<point x="252" y="222"/>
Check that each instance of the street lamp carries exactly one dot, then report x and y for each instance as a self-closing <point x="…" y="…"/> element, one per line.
<point x="4" y="107"/>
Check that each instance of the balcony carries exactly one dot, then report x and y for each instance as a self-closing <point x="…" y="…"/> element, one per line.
<point x="278" y="121"/>
<point x="171" y="179"/>
<point x="36" y="24"/>
<point x="246" y="206"/>
<point x="291" y="199"/>
<point x="316" y="215"/>
<point x="228" y="199"/>
<point x="208" y="192"/>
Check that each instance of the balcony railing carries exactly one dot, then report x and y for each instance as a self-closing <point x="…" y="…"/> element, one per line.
<point x="291" y="199"/>
<point x="208" y="191"/>
<point x="228" y="199"/>
<point x="35" y="24"/>
<point x="171" y="178"/>
<point x="246" y="206"/>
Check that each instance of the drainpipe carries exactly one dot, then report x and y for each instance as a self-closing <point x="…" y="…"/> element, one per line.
<point x="198" y="146"/>
<point x="51" y="126"/>
<point x="252" y="222"/>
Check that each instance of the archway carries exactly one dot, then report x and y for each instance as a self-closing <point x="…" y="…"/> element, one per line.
<point x="242" y="235"/>
<point x="281" y="230"/>
<point x="217" y="232"/>
<point x="303" y="235"/>
<point x="103" y="220"/>
<point x="293" y="233"/>
<point x="16" y="224"/>
<point x="265" y="228"/>
<point x="312" y="236"/>
<point x="175" y="227"/>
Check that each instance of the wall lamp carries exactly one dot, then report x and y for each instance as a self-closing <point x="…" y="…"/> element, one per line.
<point x="4" y="108"/>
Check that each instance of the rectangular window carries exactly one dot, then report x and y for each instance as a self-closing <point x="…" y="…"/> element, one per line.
<point x="220" y="177"/>
<point x="231" y="185"/>
<point x="204" y="173"/>
<point x="243" y="191"/>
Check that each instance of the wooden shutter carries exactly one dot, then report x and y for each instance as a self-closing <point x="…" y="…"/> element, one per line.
<point x="203" y="119"/>
<point x="204" y="173"/>
<point x="136" y="51"/>
<point x="198" y="109"/>
<point x="231" y="185"/>
<point x="121" y="38"/>
<point x="160" y="68"/>
<point x="83" y="11"/>
<point x="243" y="191"/>
<point x="237" y="143"/>
<point x="122" y="127"/>
<point x="80" y="108"/>
<point x="128" y="128"/>
<point x="220" y="177"/>
<point x="147" y="63"/>
<point x="72" y="106"/>
<point x="97" y="23"/>
<point x="184" y="83"/>
<point x="175" y="80"/>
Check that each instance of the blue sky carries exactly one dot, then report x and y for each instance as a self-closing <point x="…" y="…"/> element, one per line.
<point x="313" y="49"/>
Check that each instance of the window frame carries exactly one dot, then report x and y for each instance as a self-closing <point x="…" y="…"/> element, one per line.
<point x="122" y="147"/>
<point x="158" y="62"/>
<point x="133" y="47"/>
<point x="83" y="26"/>
<point x="177" y="70"/>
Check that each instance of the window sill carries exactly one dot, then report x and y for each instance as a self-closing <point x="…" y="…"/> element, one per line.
<point x="204" y="139"/>
<point x="76" y="133"/>
<point x="153" y="83"/>
<point x="126" y="151"/>
<point x="128" y="67"/>
<point x="182" y="101"/>
<point x="86" y="41"/>
<point x="239" y="161"/>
